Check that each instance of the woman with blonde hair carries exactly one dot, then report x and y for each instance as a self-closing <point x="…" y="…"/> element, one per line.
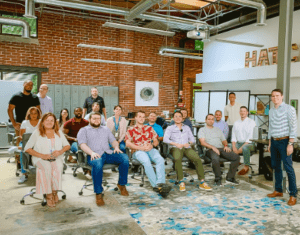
<point x="47" y="145"/>
<point x="29" y="125"/>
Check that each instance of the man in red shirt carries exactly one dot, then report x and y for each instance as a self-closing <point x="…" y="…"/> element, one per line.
<point x="141" y="139"/>
<point x="72" y="127"/>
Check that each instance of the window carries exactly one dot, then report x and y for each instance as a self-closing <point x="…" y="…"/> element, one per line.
<point x="17" y="30"/>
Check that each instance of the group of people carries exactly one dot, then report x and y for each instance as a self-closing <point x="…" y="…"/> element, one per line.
<point x="104" y="140"/>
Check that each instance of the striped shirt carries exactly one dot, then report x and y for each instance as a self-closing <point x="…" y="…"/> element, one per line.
<point x="183" y="136"/>
<point x="282" y="122"/>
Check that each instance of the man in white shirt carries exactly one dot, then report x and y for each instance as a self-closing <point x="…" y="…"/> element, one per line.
<point x="231" y="110"/>
<point x="242" y="133"/>
<point x="46" y="101"/>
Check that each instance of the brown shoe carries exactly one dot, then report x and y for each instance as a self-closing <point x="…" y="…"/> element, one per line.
<point x="123" y="190"/>
<point x="99" y="200"/>
<point x="292" y="201"/>
<point x="243" y="171"/>
<point x="275" y="194"/>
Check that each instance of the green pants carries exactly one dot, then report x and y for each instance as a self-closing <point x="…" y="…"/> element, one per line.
<point x="247" y="149"/>
<point x="189" y="153"/>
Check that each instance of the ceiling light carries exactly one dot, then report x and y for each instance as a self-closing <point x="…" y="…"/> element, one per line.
<point x="104" y="47"/>
<point x="116" y="62"/>
<point x="139" y="29"/>
<point x="183" y="56"/>
<point x="239" y="43"/>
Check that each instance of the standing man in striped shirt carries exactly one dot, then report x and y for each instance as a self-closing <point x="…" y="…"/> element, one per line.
<point x="282" y="133"/>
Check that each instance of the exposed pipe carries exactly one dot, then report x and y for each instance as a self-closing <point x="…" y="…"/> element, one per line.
<point x="30" y="9"/>
<point x="140" y="8"/>
<point x="178" y="50"/>
<point x="260" y="6"/>
<point x="17" y="22"/>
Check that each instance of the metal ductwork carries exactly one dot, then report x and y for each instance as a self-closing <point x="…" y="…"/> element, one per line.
<point x="140" y="8"/>
<point x="30" y="9"/>
<point x="180" y="52"/>
<point x="17" y="22"/>
<point x="260" y="6"/>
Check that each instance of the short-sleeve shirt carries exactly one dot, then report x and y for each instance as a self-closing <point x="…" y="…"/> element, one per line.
<point x="28" y="127"/>
<point x="213" y="136"/>
<point x="89" y="102"/>
<point x="140" y="136"/>
<point x="158" y="129"/>
<point x="233" y="112"/>
<point x="22" y="103"/>
<point x="74" y="127"/>
<point x="97" y="139"/>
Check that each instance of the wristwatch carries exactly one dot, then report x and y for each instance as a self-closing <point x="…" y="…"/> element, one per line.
<point x="291" y="143"/>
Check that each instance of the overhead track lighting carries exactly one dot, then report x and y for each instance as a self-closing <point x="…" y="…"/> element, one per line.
<point x="180" y="52"/>
<point x="139" y="29"/>
<point x="194" y="57"/>
<point x="239" y="43"/>
<point x="116" y="62"/>
<point x="104" y="47"/>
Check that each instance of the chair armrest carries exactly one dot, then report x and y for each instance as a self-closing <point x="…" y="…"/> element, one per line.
<point x="25" y="161"/>
<point x="128" y="152"/>
<point x="81" y="157"/>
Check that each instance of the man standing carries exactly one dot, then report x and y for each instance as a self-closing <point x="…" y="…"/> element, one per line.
<point x="87" y="106"/>
<point x="221" y="124"/>
<point x="282" y="134"/>
<point x="242" y="133"/>
<point x="212" y="138"/>
<point x="71" y="129"/>
<point x="157" y="128"/>
<point x="94" y="140"/>
<point x="96" y="108"/>
<point x="21" y="102"/>
<point x="232" y="110"/>
<point x="141" y="139"/>
<point x="45" y="101"/>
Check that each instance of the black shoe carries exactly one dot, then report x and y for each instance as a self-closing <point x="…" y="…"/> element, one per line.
<point x="218" y="182"/>
<point x="163" y="189"/>
<point x="232" y="181"/>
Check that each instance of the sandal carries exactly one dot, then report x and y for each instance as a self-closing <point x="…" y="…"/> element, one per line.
<point x="50" y="201"/>
<point x="55" y="197"/>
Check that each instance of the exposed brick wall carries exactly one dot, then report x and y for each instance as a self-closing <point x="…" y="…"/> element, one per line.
<point x="57" y="50"/>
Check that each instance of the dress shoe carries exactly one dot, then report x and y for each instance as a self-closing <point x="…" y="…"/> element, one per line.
<point x="123" y="190"/>
<point x="99" y="199"/>
<point x="243" y="171"/>
<point x="292" y="201"/>
<point x="275" y="194"/>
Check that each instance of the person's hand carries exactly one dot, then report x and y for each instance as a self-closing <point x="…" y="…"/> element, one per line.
<point x="227" y="150"/>
<point x="289" y="149"/>
<point x="186" y="145"/>
<point x="180" y="146"/>
<point x="46" y="156"/>
<point x="216" y="150"/>
<point x="17" y="125"/>
<point x="269" y="148"/>
<point x="234" y="149"/>
<point x="148" y="147"/>
<point x="56" y="153"/>
<point x="117" y="150"/>
<point x="94" y="156"/>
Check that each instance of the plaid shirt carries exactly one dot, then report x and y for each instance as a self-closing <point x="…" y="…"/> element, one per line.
<point x="141" y="136"/>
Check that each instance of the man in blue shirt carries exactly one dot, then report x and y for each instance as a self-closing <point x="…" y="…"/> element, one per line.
<point x="158" y="129"/>
<point x="221" y="124"/>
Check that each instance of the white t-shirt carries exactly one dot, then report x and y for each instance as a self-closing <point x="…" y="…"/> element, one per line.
<point x="28" y="127"/>
<point x="233" y="112"/>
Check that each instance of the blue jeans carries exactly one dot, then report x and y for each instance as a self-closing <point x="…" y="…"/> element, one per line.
<point x="97" y="168"/>
<point x="122" y="146"/>
<point x="74" y="147"/>
<point x="152" y="156"/>
<point x="278" y="154"/>
<point x="21" y="160"/>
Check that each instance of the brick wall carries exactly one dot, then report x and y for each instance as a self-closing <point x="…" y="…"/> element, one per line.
<point x="57" y="50"/>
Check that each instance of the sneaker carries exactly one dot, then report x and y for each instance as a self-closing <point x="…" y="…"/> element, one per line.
<point x="232" y="181"/>
<point x="88" y="176"/>
<point x="23" y="179"/>
<point x="218" y="182"/>
<point x="204" y="186"/>
<point x="182" y="187"/>
<point x="163" y="189"/>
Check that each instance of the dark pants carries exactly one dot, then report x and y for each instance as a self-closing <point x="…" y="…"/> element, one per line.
<point x="97" y="168"/>
<point x="278" y="154"/>
<point x="215" y="160"/>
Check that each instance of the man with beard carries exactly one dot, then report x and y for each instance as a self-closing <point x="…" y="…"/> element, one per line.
<point x="21" y="102"/>
<point x="71" y="128"/>
<point x="94" y="140"/>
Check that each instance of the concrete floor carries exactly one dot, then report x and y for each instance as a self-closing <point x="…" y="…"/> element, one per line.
<point x="242" y="209"/>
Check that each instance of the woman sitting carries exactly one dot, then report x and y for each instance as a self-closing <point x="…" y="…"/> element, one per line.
<point x="63" y="117"/>
<point x="47" y="145"/>
<point x="29" y="125"/>
<point x="180" y="136"/>
<point x="118" y="126"/>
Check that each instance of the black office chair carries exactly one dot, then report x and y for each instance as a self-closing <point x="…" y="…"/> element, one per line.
<point x="30" y="169"/>
<point x="82" y="162"/>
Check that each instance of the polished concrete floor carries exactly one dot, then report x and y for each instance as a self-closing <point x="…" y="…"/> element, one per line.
<point x="242" y="209"/>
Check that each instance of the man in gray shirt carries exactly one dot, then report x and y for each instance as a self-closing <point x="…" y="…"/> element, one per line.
<point x="94" y="140"/>
<point x="213" y="139"/>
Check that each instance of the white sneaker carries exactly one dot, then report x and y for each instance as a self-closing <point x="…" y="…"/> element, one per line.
<point x="88" y="176"/>
<point x="22" y="180"/>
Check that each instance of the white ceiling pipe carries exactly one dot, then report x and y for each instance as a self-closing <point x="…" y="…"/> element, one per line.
<point x="116" y="62"/>
<point x="30" y="9"/>
<point x="104" y="47"/>
<point x="17" y="22"/>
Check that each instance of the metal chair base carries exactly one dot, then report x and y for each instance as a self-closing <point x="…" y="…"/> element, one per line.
<point x="44" y="201"/>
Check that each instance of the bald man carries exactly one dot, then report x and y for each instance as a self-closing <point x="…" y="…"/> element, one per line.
<point x="46" y="101"/>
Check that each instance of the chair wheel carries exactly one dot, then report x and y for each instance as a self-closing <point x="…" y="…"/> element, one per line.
<point x="141" y="185"/>
<point x="64" y="172"/>
<point x="192" y="180"/>
<point x="80" y="193"/>
<point x="22" y="202"/>
<point x="8" y="161"/>
<point x="176" y="182"/>
<point x="44" y="203"/>
<point x="17" y="174"/>
<point x="74" y="174"/>
<point x="116" y="188"/>
<point x="168" y="175"/>
<point x="132" y="177"/>
<point x="104" y="184"/>
<point x="250" y="176"/>
<point x="64" y="196"/>
<point x="73" y="168"/>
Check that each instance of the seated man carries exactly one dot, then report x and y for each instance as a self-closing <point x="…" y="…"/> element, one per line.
<point x="157" y="128"/>
<point x="179" y="136"/>
<point x="212" y="138"/>
<point x="96" y="108"/>
<point x="161" y="121"/>
<point x="186" y="121"/>
<point x="221" y="124"/>
<point x="141" y="139"/>
<point x="71" y="128"/>
<point x="242" y="133"/>
<point x="94" y="140"/>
